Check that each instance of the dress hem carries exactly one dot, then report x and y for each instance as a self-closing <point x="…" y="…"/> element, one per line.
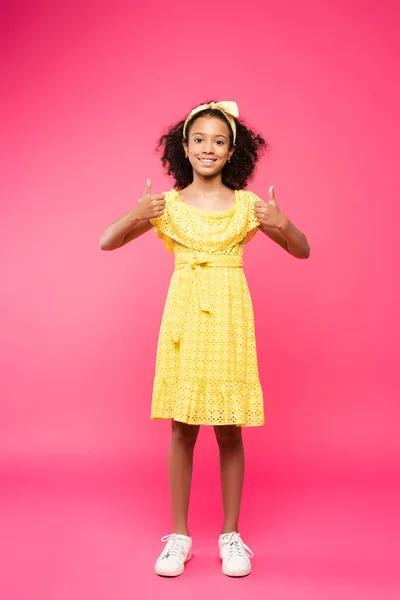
<point x="207" y="424"/>
<point x="208" y="402"/>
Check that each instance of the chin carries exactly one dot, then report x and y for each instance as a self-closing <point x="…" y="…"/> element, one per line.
<point x="209" y="173"/>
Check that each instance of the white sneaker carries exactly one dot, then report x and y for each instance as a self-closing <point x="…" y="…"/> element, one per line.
<point x="235" y="555"/>
<point x="177" y="551"/>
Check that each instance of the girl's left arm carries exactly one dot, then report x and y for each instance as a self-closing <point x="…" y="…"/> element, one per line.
<point x="279" y="228"/>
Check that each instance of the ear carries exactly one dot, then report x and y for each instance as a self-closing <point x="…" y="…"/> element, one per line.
<point x="231" y="151"/>
<point x="185" y="147"/>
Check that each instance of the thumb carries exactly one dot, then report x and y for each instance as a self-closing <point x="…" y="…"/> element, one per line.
<point x="147" y="189"/>
<point x="272" y="195"/>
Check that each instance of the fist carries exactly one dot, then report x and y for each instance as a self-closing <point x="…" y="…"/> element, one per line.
<point x="268" y="213"/>
<point x="150" y="205"/>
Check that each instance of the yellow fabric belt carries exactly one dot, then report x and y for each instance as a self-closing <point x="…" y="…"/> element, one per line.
<point x="192" y="266"/>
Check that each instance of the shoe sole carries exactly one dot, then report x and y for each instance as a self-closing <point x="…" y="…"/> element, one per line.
<point x="172" y="573"/>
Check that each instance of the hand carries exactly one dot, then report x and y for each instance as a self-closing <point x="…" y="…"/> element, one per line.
<point x="268" y="213"/>
<point x="150" y="205"/>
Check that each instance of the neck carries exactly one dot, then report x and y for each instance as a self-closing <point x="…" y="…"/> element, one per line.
<point x="207" y="184"/>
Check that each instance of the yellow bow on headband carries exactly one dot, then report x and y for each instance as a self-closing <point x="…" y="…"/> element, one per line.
<point x="229" y="109"/>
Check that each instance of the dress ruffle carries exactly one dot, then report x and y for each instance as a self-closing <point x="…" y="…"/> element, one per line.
<point x="166" y="239"/>
<point x="181" y="222"/>
<point x="208" y="402"/>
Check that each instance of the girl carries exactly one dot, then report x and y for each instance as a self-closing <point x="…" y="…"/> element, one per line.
<point x="206" y="366"/>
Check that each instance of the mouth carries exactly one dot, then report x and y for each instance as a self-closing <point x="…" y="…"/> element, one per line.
<point x="207" y="161"/>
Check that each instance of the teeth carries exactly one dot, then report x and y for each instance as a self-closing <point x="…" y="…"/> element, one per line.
<point x="207" y="160"/>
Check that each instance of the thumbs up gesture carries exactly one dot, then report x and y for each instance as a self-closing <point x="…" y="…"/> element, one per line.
<point x="150" y="205"/>
<point x="268" y="213"/>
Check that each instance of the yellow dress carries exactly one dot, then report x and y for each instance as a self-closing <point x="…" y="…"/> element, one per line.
<point x="206" y="367"/>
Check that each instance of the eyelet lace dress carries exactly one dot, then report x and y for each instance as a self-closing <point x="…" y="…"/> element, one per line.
<point x="206" y="366"/>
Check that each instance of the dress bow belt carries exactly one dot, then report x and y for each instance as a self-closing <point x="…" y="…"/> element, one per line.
<point x="192" y="267"/>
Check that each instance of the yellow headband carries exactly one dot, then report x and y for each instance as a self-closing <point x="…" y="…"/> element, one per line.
<point x="228" y="109"/>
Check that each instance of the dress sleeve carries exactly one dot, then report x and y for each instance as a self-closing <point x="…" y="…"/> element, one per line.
<point x="163" y="226"/>
<point x="253" y="223"/>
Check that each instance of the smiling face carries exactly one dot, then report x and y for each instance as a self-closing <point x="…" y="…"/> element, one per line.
<point x="208" y="145"/>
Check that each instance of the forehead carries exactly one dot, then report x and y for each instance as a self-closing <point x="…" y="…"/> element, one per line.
<point x="209" y="125"/>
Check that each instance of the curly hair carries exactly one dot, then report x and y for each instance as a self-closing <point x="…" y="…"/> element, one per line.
<point x="235" y="174"/>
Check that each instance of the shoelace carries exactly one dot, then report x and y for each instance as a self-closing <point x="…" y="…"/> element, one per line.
<point x="236" y="545"/>
<point x="175" y="546"/>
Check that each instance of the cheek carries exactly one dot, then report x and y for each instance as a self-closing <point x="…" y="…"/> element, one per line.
<point x="222" y="151"/>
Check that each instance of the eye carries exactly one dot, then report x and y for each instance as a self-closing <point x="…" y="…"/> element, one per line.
<point x="197" y="139"/>
<point x="220" y="142"/>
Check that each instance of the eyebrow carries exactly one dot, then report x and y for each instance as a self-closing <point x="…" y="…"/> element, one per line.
<point x="203" y="134"/>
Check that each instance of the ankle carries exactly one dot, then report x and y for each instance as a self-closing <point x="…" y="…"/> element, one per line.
<point x="229" y="529"/>
<point x="182" y="531"/>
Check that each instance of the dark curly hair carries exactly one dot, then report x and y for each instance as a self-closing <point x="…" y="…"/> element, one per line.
<point x="235" y="174"/>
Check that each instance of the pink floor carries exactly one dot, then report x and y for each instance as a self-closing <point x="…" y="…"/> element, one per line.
<point x="72" y="533"/>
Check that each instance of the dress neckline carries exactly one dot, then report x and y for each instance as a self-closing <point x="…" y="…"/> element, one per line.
<point x="204" y="210"/>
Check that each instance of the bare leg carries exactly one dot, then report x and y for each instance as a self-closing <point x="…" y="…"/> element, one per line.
<point x="180" y="466"/>
<point x="229" y="438"/>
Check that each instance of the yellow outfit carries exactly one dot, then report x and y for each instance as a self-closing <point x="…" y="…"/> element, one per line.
<point x="206" y="367"/>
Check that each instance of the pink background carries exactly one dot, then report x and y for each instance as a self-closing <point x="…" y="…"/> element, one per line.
<point x="87" y="90"/>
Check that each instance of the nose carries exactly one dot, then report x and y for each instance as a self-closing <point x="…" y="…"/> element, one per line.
<point x="208" y="147"/>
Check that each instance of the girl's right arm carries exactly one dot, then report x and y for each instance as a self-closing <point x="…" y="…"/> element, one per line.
<point x="135" y="222"/>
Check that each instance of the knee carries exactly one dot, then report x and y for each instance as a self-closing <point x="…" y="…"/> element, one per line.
<point x="184" y="433"/>
<point x="228" y="436"/>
